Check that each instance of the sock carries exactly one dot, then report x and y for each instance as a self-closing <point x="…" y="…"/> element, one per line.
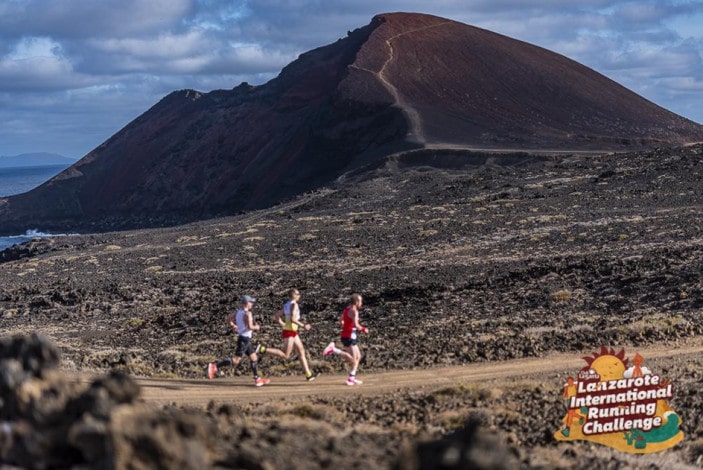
<point x="224" y="362"/>
<point x="352" y="373"/>
<point x="254" y="369"/>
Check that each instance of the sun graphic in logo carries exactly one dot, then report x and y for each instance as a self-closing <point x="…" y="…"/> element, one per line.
<point x="608" y="364"/>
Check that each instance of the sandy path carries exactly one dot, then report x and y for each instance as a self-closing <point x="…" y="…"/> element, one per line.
<point x="190" y="392"/>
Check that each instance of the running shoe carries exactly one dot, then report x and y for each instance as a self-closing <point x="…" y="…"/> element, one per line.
<point x="329" y="349"/>
<point x="211" y="370"/>
<point x="312" y="377"/>
<point x="350" y="381"/>
<point x="357" y="381"/>
<point x="259" y="349"/>
<point x="261" y="381"/>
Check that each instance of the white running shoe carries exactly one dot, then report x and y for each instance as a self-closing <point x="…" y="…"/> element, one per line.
<point x="329" y="349"/>
<point x="357" y="381"/>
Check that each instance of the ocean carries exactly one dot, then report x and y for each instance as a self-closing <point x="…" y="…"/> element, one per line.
<point x="20" y="180"/>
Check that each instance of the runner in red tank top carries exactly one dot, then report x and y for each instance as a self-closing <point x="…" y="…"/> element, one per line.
<point x="350" y="328"/>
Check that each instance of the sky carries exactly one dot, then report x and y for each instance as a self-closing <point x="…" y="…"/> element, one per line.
<point x="74" y="72"/>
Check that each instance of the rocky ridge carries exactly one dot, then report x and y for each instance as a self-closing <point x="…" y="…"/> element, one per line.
<point x="481" y="262"/>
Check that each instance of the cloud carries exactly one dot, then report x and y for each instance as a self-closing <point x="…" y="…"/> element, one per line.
<point x="165" y="53"/>
<point x="90" y="18"/>
<point x="38" y="63"/>
<point x="102" y="63"/>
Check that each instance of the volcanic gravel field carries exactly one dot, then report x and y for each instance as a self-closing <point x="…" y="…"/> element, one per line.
<point x="462" y="258"/>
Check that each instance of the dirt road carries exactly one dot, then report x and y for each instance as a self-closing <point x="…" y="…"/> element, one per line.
<point x="199" y="393"/>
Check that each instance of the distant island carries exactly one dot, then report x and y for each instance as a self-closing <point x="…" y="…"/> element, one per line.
<point x="35" y="159"/>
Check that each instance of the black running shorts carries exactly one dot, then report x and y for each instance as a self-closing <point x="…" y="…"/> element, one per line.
<point x="349" y="342"/>
<point x="244" y="346"/>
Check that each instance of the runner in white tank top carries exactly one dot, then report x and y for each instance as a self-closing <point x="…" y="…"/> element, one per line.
<point x="289" y="319"/>
<point x="242" y="327"/>
<point x="243" y="324"/>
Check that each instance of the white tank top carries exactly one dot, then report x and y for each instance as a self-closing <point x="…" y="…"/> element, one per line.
<point x="241" y="324"/>
<point x="290" y="313"/>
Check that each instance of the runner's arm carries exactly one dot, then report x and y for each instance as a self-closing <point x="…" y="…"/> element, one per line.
<point x="295" y="318"/>
<point x="230" y="320"/>
<point x="357" y="325"/>
<point x="249" y="321"/>
<point x="279" y="318"/>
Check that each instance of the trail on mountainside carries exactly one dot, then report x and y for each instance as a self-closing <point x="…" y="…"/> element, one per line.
<point x="416" y="132"/>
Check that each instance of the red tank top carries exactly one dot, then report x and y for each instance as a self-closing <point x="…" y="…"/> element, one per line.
<point x="348" y="330"/>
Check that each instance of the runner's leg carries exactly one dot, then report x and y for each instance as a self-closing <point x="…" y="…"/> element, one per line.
<point x="253" y="360"/>
<point x="356" y="354"/>
<point x="301" y="356"/>
<point x="282" y="353"/>
<point x="349" y="355"/>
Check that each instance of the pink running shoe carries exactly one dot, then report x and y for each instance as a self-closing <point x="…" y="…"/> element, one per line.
<point x="350" y="381"/>
<point x="329" y="349"/>
<point x="357" y="381"/>
<point x="211" y="370"/>
<point x="261" y="381"/>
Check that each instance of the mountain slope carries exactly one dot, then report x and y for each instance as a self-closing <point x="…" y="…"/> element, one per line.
<point x="468" y="86"/>
<point x="404" y="81"/>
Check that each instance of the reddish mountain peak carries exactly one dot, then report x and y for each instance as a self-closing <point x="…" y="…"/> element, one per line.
<point x="403" y="81"/>
<point x="460" y="85"/>
<point x="408" y="21"/>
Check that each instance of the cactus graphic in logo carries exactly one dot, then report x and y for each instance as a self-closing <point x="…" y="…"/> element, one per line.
<point x="619" y="405"/>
